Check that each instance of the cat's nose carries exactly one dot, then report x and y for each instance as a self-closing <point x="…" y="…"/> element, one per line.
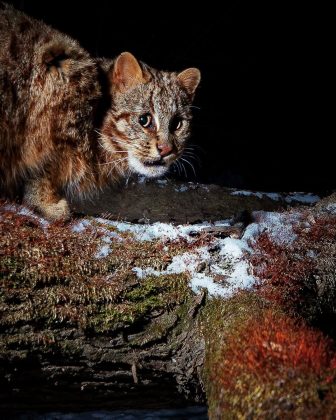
<point x="164" y="149"/>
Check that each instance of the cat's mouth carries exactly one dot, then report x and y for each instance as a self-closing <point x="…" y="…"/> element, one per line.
<point x="150" y="163"/>
<point x="149" y="168"/>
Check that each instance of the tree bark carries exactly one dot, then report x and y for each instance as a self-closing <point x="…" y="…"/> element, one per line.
<point x="156" y="362"/>
<point x="77" y="330"/>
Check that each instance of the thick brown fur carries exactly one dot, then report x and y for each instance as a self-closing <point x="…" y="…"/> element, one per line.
<point x="69" y="123"/>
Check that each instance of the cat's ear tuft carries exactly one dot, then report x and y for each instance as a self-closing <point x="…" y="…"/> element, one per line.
<point x="189" y="79"/>
<point x="126" y="72"/>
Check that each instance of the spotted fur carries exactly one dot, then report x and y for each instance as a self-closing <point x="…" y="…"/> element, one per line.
<point x="69" y="123"/>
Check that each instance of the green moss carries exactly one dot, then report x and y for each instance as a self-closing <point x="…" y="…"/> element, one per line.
<point x="51" y="280"/>
<point x="152" y="294"/>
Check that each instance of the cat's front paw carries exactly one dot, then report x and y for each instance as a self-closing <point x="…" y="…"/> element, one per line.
<point x="57" y="211"/>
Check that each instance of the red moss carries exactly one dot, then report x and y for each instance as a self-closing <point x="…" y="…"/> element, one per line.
<point x="269" y="364"/>
<point x="322" y="228"/>
<point x="274" y="345"/>
<point x="282" y="270"/>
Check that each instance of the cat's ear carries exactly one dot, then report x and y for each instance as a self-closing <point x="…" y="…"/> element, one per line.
<point x="126" y="72"/>
<point x="189" y="79"/>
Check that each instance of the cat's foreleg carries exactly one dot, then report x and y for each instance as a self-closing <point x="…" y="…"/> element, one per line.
<point x="43" y="196"/>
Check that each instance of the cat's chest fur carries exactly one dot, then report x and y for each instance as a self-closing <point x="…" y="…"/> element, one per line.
<point x="70" y="123"/>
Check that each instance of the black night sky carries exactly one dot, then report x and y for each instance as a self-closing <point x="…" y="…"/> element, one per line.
<point x="260" y="122"/>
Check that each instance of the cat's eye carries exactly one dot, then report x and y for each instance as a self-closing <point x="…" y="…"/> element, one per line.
<point x="145" y="120"/>
<point x="176" y="124"/>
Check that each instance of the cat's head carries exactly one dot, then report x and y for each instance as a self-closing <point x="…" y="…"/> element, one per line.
<point x="149" y="121"/>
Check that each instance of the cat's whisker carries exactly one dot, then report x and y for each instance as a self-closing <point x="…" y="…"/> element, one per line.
<point x="192" y="106"/>
<point x="192" y="166"/>
<point x="187" y="107"/>
<point x="179" y="167"/>
<point x="189" y="148"/>
<point x="116" y="165"/>
<point x="182" y="166"/>
<point x="191" y="156"/>
<point x="175" y="166"/>
<point x="184" y="170"/>
<point x="113" y="161"/>
<point x="131" y="147"/>
<point x="123" y="143"/>
<point x="192" y="145"/>
<point x="191" y="152"/>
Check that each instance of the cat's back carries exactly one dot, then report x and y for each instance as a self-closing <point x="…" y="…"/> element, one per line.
<point x="20" y="40"/>
<point x="48" y="92"/>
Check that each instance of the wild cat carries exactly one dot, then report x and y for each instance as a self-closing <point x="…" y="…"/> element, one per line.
<point x="70" y="123"/>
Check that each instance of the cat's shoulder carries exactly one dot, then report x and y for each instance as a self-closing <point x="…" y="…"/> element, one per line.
<point x="31" y="43"/>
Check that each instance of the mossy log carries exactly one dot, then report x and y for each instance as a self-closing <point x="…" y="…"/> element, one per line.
<point x="136" y="359"/>
<point x="79" y="330"/>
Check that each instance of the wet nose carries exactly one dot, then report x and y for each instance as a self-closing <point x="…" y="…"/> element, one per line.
<point x="164" y="149"/>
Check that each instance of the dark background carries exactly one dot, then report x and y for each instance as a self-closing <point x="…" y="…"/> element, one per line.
<point x="262" y="120"/>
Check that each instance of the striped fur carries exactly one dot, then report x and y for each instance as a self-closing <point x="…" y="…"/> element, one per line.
<point x="69" y="123"/>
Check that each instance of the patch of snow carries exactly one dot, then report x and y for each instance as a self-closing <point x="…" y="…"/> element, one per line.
<point x="156" y="230"/>
<point x="103" y="251"/>
<point x="188" y="261"/>
<point x="248" y="193"/>
<point x="162" y="182"/>
<point x="80" y="226"/>
<point x="24" y="211"/>
<point x="141" y="179"/>
<point x="331" y="208"/>
<point x="182" y="188"/>
<point x="233" y="247"/>
<point x="260" y="194"/>
<point x="240" y="277"/>
<point x="139" y="272"/>
<point x="106" y="239"/>
<point x="273" y="196"/>
<point x="229" y="263"/>
<point x="304" y="198"/>
<point x="311" y="254"/>
<point x="279" y="226"/>
<point x="200" y="281"/>
<point x="220" y="223"/>
<point x="299" y="197"/>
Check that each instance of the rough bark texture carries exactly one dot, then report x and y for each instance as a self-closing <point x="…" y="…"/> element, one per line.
<point x="154" y="362"/>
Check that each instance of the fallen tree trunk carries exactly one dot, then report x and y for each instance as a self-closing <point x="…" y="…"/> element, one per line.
<point x="80" y="329"/>
<point x="91" y="317"/>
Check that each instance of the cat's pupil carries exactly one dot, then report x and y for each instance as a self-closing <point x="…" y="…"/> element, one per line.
<point x="145" y="120"/>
